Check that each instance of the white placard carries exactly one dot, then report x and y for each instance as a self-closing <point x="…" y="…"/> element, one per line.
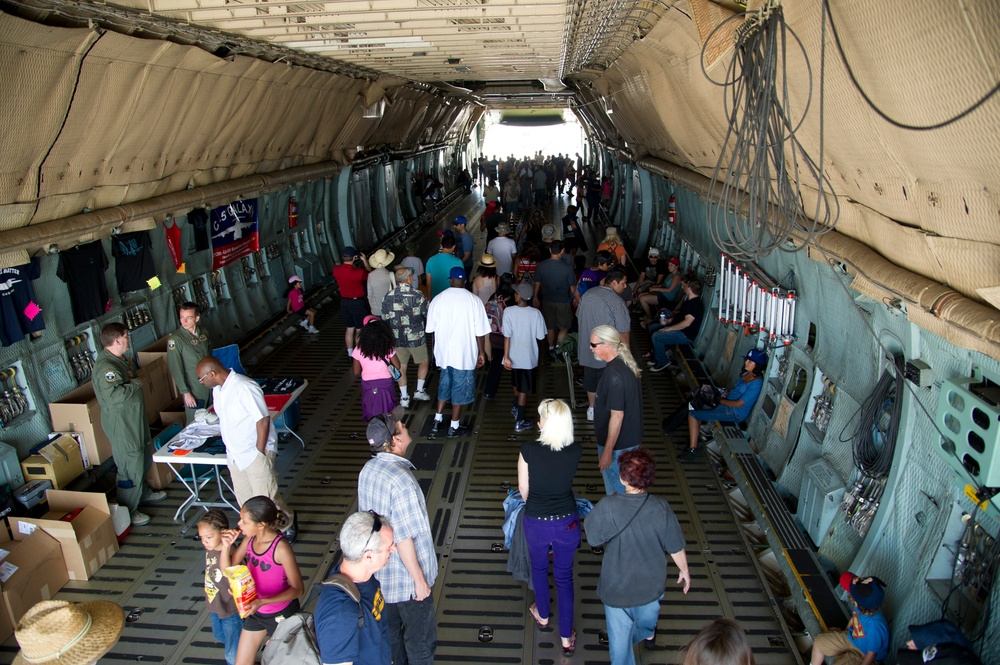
<point x="27" y="528"/>
<point x="6" y="570"/>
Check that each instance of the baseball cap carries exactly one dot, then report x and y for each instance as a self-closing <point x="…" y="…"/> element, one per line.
<point x="526" y="291"/>
<point x="349" y="251"/>
<point x="866" y="591"/>
<point x="368" y="319"/>
<point x="294" y="278"/>
<point x="378" y="432"/>
<point x="446" y="232"/>
<point x="674" y="261"/>
<point x="457" y="273"/>
<point x="758" y="357"/>
<point x="460" y="221"/>
<point x="548" y="232"/>
<point x="653" y="251"/>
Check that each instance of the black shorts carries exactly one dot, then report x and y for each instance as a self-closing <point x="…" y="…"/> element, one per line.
<point x="354" y="310"/>
<point x="591" y="377"/>
<point x="268" y="622"/>
<point x="302" y="312"/>
<point x="523" y="380"/>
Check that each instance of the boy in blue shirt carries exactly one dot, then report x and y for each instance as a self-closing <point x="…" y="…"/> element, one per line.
<point x="866" y="639"/>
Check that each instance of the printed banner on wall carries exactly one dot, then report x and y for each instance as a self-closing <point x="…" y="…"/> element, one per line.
<point x="234" y="232"/>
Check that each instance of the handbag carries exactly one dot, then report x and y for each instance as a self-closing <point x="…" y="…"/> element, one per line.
<point x="706" y="397"/>
<point x="393" y="370"/>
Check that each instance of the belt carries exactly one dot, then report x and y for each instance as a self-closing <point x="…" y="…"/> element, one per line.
<point x="554" y="518"/>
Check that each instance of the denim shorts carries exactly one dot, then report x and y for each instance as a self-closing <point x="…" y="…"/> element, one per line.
<point x="457" y="386"/>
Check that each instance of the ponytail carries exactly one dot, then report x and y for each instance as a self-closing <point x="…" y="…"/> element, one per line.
<point x="609" y="335"/>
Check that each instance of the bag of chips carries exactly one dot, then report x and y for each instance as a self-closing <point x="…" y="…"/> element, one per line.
<point x="243" y="588"/>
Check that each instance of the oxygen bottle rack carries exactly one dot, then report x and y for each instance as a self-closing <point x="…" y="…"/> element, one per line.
<point x="81" y="351"/>
<point x="260" y="265"/>
<point x="249" y="272"/>
<point x="16" y="403"/>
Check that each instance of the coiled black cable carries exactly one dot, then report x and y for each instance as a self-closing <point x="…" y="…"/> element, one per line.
<point x="874" y="437"/>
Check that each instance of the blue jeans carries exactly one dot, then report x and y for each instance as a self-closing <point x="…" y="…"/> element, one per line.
<point x="412" y="631"/>
<point x="612" y="475"/>
<point x="563" y="536"/>
<point x="665" y="338"/>
<point x="628" y="626"/>
<point x="228" y="632"/>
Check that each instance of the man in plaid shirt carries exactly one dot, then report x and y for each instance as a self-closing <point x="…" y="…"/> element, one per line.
<point x="387" y="486"/>
<point x="405" y="309"/>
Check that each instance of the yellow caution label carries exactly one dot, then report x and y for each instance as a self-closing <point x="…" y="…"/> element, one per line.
<point x="970" y="492"/>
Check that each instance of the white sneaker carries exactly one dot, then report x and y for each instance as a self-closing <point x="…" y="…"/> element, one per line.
<point x="153" y="497"/>
<point x="313" y="329"/>
<point x="590" y="413"/>
<point x="139" y="519"/>
<point x="304" y="324"/>
<point x="404" y="401"/>
<point x="422" y="396"/>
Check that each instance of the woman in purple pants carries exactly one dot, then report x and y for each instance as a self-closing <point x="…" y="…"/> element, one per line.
<point x="545" y="471"/>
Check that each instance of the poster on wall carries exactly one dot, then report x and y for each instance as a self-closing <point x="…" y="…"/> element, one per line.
<point x="234" y="232"/>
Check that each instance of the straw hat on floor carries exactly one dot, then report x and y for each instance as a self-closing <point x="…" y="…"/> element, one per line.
<point x="64" y="633"/>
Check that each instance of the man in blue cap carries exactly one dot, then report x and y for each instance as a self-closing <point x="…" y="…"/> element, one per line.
<point x="463" y="240"/>
<point x="459" y="323"/>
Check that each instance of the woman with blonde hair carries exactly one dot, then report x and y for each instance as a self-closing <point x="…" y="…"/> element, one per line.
<point x="614" y="244"/>
<point x="545" y="471"/>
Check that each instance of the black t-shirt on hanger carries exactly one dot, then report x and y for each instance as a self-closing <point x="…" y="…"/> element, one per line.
<point x="82" y="268"/>
<point x="133" y="261"/>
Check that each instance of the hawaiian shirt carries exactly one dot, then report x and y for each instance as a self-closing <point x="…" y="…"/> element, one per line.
<point x="405" y="309"/>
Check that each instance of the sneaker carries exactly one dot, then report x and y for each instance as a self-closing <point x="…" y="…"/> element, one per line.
<point x="153" y="497"/>
<point x="690" y="455"/>
<point x="652" y="362"/>
<point x="304" y="324"/>
<point x="590" y="414"/>
<point x="658" y="368"/>
<point x="139" y="519"/>
<point x="436" y="426"/>
<point x="523" y="425"/>
<point x="422" y="396"/>
<point x="404" y="402"/>
<point x="313" y="329"/>
<point x="456" y="432"/>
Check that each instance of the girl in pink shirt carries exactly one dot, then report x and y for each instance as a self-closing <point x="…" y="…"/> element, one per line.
<point x="297" y="304"/>
<point x="374" y="354"/>
<point x="274" y="571"/>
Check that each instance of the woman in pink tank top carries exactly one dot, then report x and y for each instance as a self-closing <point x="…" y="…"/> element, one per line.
<point x="275" y="573"/>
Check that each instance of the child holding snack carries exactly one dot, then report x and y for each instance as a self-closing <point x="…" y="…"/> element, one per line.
<point x="218" y="539"/>
<point x="275" y="573"/>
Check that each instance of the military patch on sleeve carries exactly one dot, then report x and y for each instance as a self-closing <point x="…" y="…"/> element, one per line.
<point x="110" y="376"/>
<point x="171" y="345"/>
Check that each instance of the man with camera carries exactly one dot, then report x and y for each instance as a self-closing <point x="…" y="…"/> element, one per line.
<point x="351" y="274"/>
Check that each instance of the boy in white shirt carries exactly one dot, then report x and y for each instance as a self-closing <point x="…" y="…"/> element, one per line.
<point x="523" y="326"/>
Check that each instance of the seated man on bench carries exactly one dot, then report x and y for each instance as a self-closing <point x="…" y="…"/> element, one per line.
<point x="681" y="329"/>
<point x="735" y="406"/>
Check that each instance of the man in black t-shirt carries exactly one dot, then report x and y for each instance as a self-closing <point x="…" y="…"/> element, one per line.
<point x="617" y="404"/>
<point x="682" y="328"/>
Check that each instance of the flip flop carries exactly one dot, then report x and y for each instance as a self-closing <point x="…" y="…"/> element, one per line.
<point x="571" y="648"/>
<point x="534" y="615"/>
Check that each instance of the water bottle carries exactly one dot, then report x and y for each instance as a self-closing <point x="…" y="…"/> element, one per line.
<point x="663" y="317"/>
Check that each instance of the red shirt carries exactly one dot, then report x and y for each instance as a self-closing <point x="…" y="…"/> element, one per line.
<point x="351" y="280"/>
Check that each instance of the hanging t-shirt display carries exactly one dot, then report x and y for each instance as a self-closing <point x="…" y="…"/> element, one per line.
<point x="198" y="219"/>
<point x="19" y="313"/>
<point x="133" y="261"/>
<point x="82" y="268"/>
<point x="173" y="234"/>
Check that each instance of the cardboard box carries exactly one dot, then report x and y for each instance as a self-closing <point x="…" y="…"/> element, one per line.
<point x="78" y="437"/>
<point x="174" y="414"/>
<point x="78" y="411"/>
<point x="157" y="386"/>
<point x="32" y="571"/>
<point x="157" y="350"/>
<point x="58" y="462"/>
<point x="87" y="542"/>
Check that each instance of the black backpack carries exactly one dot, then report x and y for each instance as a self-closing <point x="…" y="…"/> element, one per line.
<point x="294" y="639"/>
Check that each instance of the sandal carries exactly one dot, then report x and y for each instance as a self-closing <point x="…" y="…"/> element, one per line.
<point x="570" y="649"/>
<point x="534" y="615"/>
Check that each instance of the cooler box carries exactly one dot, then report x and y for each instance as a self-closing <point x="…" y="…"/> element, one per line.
<point x="10" y="467"/>
<point x="291" y="418"/>
<point x="33" y="493"/>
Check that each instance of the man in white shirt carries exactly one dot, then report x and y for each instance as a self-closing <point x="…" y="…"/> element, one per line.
<point x="249" y="436"/>
<point x="459" y="323"/>
<point x="503" y="249"/>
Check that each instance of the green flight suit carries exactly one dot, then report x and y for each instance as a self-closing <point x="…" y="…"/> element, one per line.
<point x="123" y="416"/>
<point x="184" y="351"/>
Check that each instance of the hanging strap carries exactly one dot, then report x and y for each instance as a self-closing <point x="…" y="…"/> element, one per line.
<point x="630" y="521"/>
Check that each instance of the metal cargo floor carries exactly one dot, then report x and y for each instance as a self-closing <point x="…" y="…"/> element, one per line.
<point x="160" y="566"/>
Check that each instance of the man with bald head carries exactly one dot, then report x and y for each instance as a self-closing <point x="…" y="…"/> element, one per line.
<point x="249" y="436"/>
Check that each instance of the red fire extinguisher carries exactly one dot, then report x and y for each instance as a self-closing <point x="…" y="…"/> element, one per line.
<point x="293" y="213"/>
<point x="672" y="209"/>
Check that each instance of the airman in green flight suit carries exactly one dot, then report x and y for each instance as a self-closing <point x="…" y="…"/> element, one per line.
<point x="185" y="347"/>
<point x="123" y="416"/>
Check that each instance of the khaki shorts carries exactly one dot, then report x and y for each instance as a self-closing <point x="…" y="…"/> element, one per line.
<point x="557" y="315"/>
<point x="417" y="353"/>
<point x="836" y="644"/>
